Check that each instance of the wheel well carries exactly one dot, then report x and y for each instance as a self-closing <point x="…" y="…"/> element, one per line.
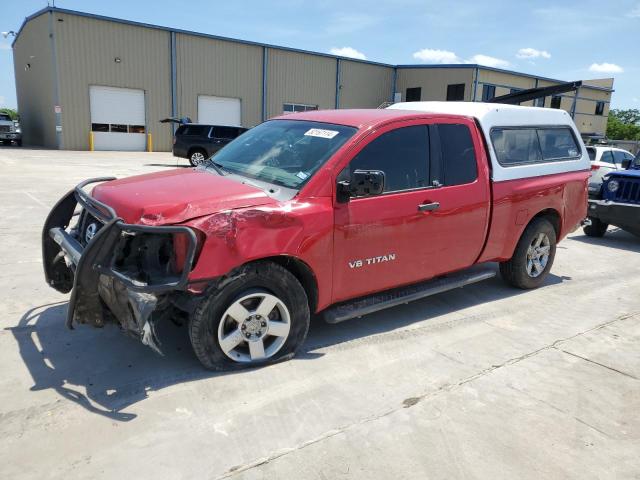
<point x="196" y="149"/>
<point x="552" y="216"/>
<point x="303" y="273"/>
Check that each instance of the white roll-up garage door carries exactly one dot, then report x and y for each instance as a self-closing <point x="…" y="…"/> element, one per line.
<point x="117" y="118"/>
<point x="219" y="110"/>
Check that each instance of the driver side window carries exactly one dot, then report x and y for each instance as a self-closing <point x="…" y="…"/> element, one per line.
<point x="403" y="156"/>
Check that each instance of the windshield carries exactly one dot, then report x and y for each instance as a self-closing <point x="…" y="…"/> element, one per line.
<point x="636" y="162"/>
<point x="4" y="117"/>
<point x="283" y="152"/>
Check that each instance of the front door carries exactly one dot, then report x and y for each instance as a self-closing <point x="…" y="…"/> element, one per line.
<point x="430" y="219"/>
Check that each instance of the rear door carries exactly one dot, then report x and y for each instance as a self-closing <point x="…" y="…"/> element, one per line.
<point x="431" y="218"/>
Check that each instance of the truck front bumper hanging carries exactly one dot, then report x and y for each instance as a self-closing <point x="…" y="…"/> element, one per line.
<point x="118" y="267"/>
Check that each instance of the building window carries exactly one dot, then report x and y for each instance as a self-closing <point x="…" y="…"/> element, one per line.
<point x="488" y="92"/>
<point x="539" y="102"/>
<point x="297" y="107"/>
<point x="99" y="127"/>
<point x="599" y="108"/>
<point x="556" y="100"/>
<point x="413" y="94"/>
<point x="455" y="92"/>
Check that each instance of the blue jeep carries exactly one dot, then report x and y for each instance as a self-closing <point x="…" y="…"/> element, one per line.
<point x="618" y="202"/>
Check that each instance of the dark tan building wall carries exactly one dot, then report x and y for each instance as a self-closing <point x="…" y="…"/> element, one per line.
<point x="35" y="83"/>
<point x="363" y="85"/>
<point x="434" y="81"/>
<point x="86" y="50"/>
<point x="224" y="69"/>
<point x="301" y="78"/>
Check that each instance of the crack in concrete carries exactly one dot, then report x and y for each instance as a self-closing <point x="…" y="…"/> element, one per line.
<point x="599" y="364"/>
<point x="412" y="401"/>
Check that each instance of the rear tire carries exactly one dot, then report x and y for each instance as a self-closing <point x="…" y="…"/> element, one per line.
<point x="533" y="257"/>
<point x="234" y="328"/>
<point x="19" y="143"/>
<point x="197" y="157"/>
<point x="596" y="229"/>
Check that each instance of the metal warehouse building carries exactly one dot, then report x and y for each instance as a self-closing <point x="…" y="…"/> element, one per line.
<point x="78" y="73"/>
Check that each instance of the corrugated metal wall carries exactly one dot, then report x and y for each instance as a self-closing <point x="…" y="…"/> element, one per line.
<point x="35" y="84"/>
<point x="299" y="78"/>
<point x="225" y="69"/>
<point x="86" y="50"/>
<point x="434" y="81"/>
<point x="364" y="85"/>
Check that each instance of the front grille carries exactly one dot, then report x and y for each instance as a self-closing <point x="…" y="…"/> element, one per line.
<point x="628" y="190"/>
<point x="5" y="128"/>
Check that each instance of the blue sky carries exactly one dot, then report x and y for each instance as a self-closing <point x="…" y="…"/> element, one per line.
<point x="566" y="39"/>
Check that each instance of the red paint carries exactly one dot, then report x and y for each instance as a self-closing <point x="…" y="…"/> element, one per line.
<point x="480" y="221"/>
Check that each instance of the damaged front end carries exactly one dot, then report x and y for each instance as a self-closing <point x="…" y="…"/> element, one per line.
<point x="127" y="273"/>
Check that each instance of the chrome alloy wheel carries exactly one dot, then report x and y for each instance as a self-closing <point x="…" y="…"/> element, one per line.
<point x="254" y="327"/>
<point x="197" y="158"/>
<point x="538" y="255"/>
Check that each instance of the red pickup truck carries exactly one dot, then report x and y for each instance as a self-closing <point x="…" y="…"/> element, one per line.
<point x="337" y="213"/>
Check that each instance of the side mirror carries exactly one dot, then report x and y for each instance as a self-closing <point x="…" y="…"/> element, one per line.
<point x="625" y="164"/>
<point x="364" y="183"/>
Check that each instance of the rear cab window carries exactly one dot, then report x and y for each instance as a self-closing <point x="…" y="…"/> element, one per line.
<point x="526" y="145"/>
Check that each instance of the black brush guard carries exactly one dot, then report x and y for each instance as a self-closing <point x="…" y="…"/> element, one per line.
<point x="71" y="267"/>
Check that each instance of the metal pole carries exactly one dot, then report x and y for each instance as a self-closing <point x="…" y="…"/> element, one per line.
<point x="265" y="62"/>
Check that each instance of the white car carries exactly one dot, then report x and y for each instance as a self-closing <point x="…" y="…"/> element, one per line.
<point x="605" y="159"/>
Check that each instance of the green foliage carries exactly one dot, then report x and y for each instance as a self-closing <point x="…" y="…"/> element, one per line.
<point x="624" y="124"/>
<point x="11" y="112"/>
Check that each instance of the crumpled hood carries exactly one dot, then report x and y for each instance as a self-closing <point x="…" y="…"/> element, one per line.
<point x="174" y="196"/>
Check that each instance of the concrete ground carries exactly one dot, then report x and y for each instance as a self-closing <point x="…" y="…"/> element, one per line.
<point x="482" y="382"/>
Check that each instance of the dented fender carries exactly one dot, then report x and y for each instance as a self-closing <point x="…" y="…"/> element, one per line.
<point x="302" y="230"/>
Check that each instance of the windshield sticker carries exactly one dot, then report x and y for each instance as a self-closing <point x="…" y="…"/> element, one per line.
<point x="302" y="175"/>
<point x="319" y="132"/>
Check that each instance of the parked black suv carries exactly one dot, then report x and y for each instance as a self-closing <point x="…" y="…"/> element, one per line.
<point x="198" y="142"/>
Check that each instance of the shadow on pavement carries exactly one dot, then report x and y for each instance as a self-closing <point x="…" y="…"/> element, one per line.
<point x="614" y="238"/>
<point x="105" y="371"/>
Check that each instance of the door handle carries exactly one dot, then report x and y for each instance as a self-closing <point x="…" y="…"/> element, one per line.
<point x="428" y="207"/>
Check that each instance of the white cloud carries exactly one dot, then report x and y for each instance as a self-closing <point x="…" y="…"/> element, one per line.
<point x="635" y="13"/>
<point x="529" y="53"/>
<point x="488" y="61"/>
<point x="348" y="52"/>
<point x="5" y="46"/>
<point x="605" y="68"/>
<point x="429" y="55"/>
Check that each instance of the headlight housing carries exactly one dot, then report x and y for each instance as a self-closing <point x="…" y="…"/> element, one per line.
<point x="613" y="186"/>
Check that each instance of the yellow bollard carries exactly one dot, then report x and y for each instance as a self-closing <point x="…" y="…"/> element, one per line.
<point x="149" y="143"/>
<point x="91" y="142"/>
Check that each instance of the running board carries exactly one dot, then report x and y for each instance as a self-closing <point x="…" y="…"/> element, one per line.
<point x="398" y="296"/>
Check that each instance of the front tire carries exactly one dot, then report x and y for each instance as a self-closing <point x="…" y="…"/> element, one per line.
<point x="533" y="257"/>
<point x="596" y="229"/>
<point x="197" y="157"/>
<point x="256" y="316"/>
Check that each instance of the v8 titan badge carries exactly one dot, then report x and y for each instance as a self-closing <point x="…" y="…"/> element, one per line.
<point x="370" y="261"/>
